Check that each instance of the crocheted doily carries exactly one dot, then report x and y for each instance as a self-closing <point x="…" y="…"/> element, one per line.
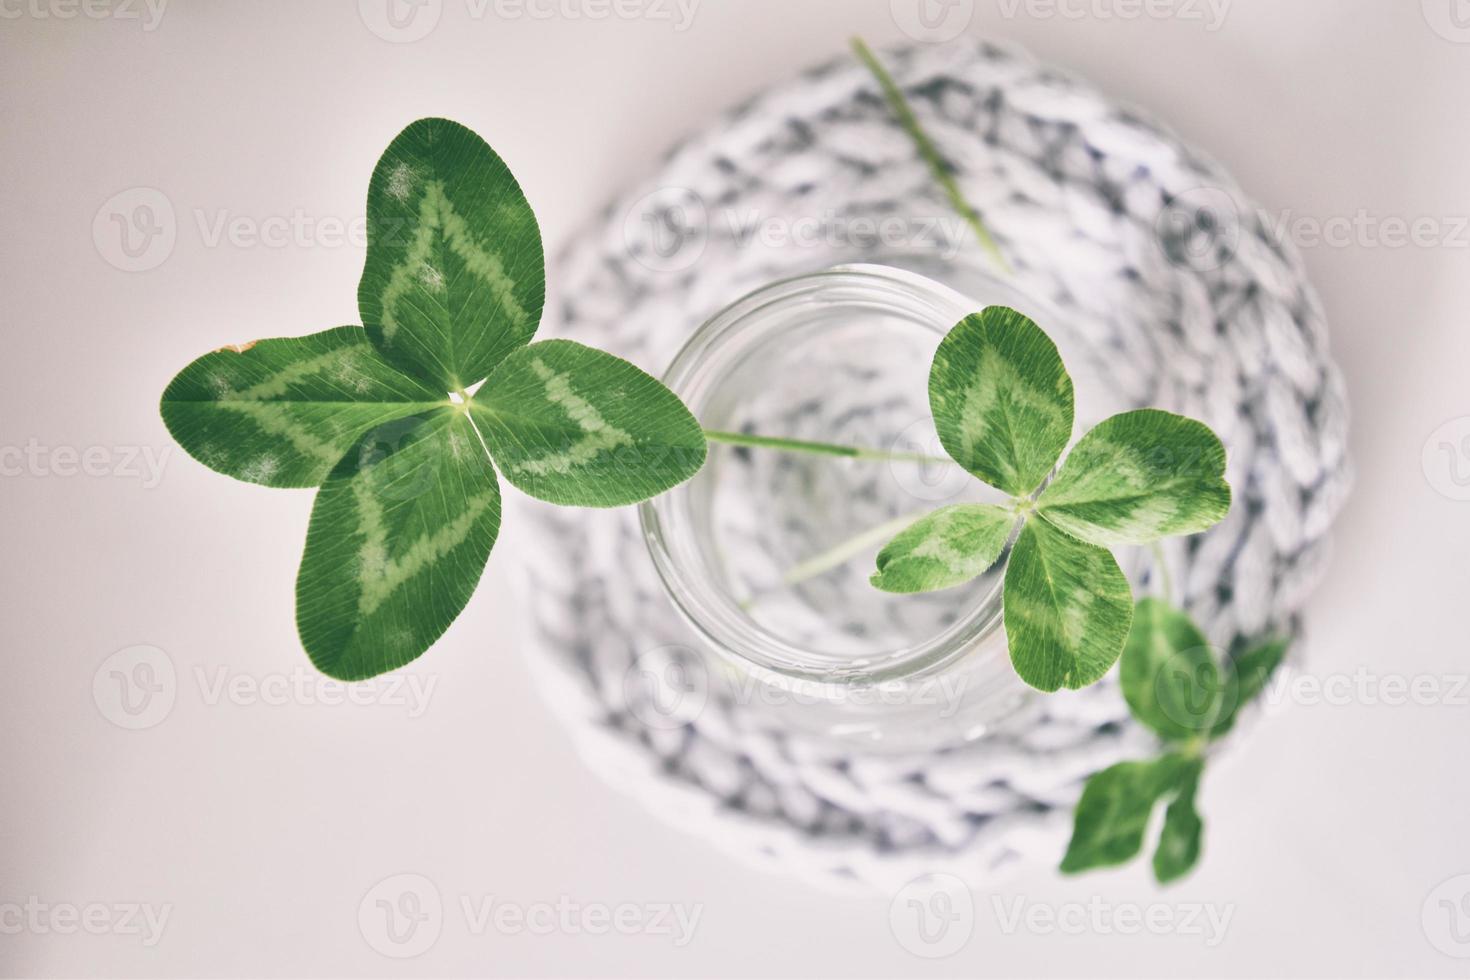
<point x="1187" y="299"/>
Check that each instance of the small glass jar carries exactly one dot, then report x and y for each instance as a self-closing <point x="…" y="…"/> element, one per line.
<point x="768" y="553"/>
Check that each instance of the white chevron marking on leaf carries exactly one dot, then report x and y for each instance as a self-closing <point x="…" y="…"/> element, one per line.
<point x="437" y="216"/>
<point x="598" y="435"/>
<point x="342" y="359"/>
<point x="378" y="575"/>
<point x="276" y="420"/>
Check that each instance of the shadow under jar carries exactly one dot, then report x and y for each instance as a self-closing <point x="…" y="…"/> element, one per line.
<point x="768" y="552"/>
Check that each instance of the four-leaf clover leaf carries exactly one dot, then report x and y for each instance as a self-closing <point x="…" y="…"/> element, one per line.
<point x="1003" y="407"/>
<point x="381" y="417"/>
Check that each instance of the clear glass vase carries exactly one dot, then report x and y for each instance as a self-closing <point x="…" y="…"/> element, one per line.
<point x="767" y="552"/>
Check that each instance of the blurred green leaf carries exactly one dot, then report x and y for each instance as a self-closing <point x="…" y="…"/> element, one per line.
<point x="1169" y="675"/>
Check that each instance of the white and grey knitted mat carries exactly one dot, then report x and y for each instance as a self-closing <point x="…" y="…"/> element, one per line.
<point x="1184" y="297"/>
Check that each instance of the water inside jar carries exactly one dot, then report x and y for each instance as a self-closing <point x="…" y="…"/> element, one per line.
<point x="767" y="522"/>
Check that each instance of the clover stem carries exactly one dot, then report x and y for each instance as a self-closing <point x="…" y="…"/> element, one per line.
<point x="857" y="544"/>
<point x="1165" y="581"/>
<point x="940" y="167"/>
<point x="944" y="175"/>
<point x="842" y="553"/>
<point x="752" y="441"/>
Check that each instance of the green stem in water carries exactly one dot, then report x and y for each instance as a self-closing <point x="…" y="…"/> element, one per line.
<point x="851" y="548"/>
<point x="1162" y="567"/>
<point x="940" y="167"/>
<point x="840" y="554"/>
<point x="943" y="173"/>
<point x="818" y="448"/>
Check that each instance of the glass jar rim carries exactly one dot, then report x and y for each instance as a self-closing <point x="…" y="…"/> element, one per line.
<point x="713" y="614"/>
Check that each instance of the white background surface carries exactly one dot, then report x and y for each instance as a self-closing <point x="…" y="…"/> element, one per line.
<point x="263" y="827"/>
